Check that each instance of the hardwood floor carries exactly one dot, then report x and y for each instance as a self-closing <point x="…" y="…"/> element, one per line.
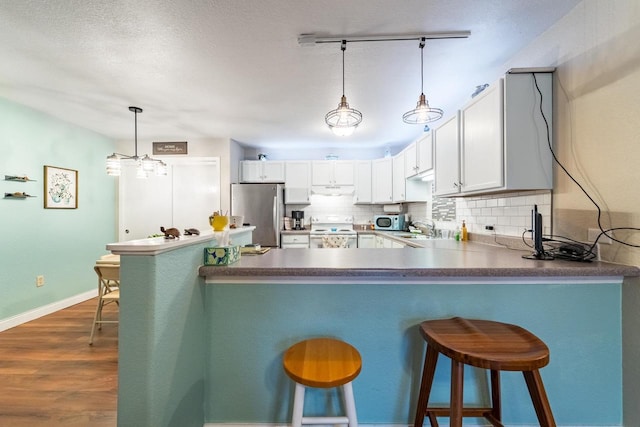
<point x="51" y="376"/>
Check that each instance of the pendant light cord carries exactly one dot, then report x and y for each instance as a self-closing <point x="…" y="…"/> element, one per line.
<point x="422" y="42"/>
<point x="343" y="47"/>
<point x="135" y="130"/>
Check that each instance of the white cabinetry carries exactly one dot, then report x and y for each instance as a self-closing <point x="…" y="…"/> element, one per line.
<point x="261" y="171"/>
<point x="294" y="241"/>
<point x="362" y="181"/>
<point x="366" y="241"/>
<point x="381" y="179"/>
<point x="332" y="172"/>
<point x="503" y="139"/>
<point x="399" y="190"/>
<point x="297" y="182"/>
<point x="418" y="157"/>
<point x="446" y="140"/>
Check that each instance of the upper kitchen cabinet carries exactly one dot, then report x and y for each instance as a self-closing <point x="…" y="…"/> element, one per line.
<point x="332" y="172"/>
<point x="398" y="178"/>
<point x="297" y="182"/>
<point x="418" y="157"/>
<point x="504" y="142"/>
<point x="362" y="180"/>
<point x="381" y="179"/>
<point x="261" y="171"/>
<point x="446" y="141"/>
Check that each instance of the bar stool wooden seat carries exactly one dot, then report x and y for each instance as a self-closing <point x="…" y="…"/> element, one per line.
<point x="323" y="363"/>
<point x="484" y="344"/>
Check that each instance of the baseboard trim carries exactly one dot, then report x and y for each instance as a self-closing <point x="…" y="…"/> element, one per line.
<point x="371" y="425"/>
<point x="36" y="313"/>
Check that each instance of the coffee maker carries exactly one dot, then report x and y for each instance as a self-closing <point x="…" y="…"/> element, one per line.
<point x="298" y="220"/>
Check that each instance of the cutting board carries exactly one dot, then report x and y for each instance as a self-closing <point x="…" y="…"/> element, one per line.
<point x="253" y="251"/>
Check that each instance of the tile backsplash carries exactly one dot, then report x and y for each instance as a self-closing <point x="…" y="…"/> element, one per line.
<point x="508" y="213"/>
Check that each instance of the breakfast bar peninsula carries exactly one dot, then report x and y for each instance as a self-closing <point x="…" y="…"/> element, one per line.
<point x="203" y="345"/>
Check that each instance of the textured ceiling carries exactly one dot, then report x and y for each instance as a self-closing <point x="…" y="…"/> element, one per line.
<point x="234" y="68"/>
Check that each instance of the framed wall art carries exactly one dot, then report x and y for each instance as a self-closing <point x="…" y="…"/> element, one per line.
<point x="60" y="188"/>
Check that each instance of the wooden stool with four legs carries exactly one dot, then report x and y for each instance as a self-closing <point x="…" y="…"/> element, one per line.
<point x="484" y="344"/>
<point x="323" y="363"/>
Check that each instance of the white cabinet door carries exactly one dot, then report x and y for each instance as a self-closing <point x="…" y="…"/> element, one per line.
<point x="424" y="148"/>
<point x="382" y="178"/>
<point x="482" y="152"/>
<point x="380" y="242"/>
<point x="332" y="172"/>
<point x="273" y="171"/>
<point x="297" y="182"/>
<point x="411" y="160"/>
<point x="447" y="157"/>
<point x="251" y="171"/>
<point x="294" y="241"/>
<point x="261" y="171"/>
<point x="343" y="172"/>
<point x="322" y="172"/>
<point x="362" y="182"/>
<point x="399" y="188"/>
<point x="366" y="241"/>
<point x="184" y="198"/>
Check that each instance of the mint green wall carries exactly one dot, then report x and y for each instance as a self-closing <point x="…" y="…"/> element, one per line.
<point x="61" y="244"/>
<point x="162" y="348"/>
<point x="250" y="326"/>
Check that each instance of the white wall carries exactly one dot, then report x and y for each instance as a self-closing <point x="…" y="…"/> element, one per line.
<point x="196" y="147"/>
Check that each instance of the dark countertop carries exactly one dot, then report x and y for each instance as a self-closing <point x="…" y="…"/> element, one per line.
<point x="436" y="258"/>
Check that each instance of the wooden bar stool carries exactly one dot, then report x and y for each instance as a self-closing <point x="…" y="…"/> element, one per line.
<point x="483" y="344"/>
<point x="323" y="363"/>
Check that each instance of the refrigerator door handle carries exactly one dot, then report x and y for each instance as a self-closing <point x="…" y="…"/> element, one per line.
<point x="275" y="217"/>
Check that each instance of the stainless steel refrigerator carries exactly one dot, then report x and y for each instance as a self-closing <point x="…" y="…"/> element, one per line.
<point x="261" y="205"/>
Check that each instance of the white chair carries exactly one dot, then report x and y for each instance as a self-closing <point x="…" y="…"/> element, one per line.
<point x="108" y="292"/>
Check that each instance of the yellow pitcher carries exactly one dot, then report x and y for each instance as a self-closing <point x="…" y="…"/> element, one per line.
<point x="218" y="222"/>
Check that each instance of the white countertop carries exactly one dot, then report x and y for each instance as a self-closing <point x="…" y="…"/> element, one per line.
<point x="157" y="245"/>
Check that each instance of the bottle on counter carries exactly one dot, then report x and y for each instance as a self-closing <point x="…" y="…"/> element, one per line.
<point x="456" y="234"/>
<point x="464" y="236"/>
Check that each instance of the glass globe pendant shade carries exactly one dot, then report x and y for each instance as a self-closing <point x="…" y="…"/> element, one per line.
<point x="148" y="164"/>
<point x="114" y="168"/>
<point x="343" y="121"/>
<point x="422" y="113"/>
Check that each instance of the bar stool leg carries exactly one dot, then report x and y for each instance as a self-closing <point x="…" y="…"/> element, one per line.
<point x="428" y="372"/>
<point x="496" y="412"/>
<point x="457" y="381"/>
<point x="350" y="404"/>
<point x="539" y="398"/>
<point x="298" y="406"/>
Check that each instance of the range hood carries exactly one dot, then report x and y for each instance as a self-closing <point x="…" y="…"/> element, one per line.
<point x="335" y="190"/>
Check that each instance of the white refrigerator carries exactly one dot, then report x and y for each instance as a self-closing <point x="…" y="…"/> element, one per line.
<point x="262" y="205"/>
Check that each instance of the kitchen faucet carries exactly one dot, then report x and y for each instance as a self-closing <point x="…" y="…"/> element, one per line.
<point x="430" y="227"/>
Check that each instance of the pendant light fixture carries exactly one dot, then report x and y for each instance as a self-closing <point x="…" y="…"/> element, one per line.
<point x="422" y="113"/>
<point x="343" y="120"/>
<point x="144" y="164"/>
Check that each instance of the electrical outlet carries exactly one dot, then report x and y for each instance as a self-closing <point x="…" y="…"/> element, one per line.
<point x="39" y="281"/>
<point x="593" y="234"/>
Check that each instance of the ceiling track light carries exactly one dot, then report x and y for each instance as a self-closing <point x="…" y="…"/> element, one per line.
<point x="344" y="120"/>
<point x="313" y="39"/>
<point x="423" y="113"/>
<point x="144" y="164"/>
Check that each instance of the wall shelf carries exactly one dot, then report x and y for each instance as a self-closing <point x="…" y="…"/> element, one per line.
<point x="17" y="195"/>
<point x="18" y="178"/>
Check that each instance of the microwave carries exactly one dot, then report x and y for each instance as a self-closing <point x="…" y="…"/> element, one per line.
<point x="389" y="222"/>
